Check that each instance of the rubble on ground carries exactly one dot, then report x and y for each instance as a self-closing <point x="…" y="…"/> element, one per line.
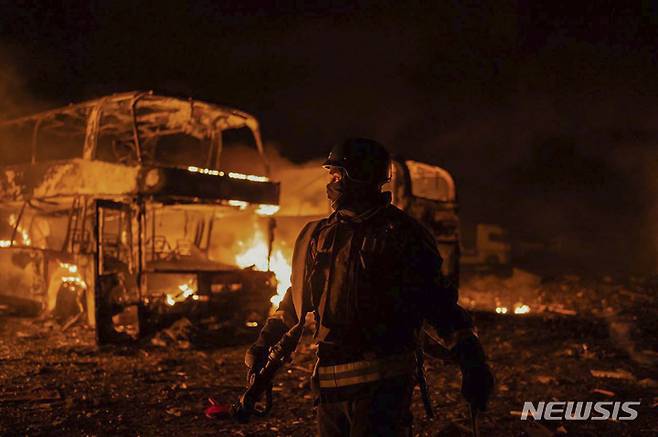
<point x="60" y="383"/>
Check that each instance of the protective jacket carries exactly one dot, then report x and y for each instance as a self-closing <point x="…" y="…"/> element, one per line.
<point x="371" y="280"/>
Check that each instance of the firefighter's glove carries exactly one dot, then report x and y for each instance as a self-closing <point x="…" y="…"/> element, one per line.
<point x="256" y="356"/>
<point x="477" y="379"/>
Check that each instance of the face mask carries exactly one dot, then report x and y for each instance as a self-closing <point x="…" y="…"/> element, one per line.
<point x="335" y="193"/>
<point x="351" y="195"/>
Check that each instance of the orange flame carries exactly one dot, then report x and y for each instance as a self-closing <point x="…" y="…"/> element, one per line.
<point x="255" y="254"/>
<point x="181" y="293"/>
<point x="27" y="241"/>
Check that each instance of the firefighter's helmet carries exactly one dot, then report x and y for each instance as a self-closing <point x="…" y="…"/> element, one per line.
<point x="362" y="159"/>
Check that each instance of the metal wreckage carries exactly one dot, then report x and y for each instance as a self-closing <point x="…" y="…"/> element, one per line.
<point x="114" y="210"/>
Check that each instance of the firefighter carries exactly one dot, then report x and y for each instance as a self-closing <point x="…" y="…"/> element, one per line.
<point x="371" y="276"/>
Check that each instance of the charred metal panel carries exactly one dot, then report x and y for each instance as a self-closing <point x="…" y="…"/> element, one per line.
<point x="22" y="273"/>
<point x="135" y="116"/>
<point x="238" y="294"/>
<point x="66" y="178"/>
<point x="181" y="183"/>
<point x="98" y="178"/>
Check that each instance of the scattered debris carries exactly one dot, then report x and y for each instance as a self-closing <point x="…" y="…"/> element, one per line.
<point x="72" y="321"/>
<point x="613" y="374"/>
<point x="178" y="335"/>
<point x="542" y="356"/>
<point x="174" y="411"/>
<point x="559" y="309"/>
<point x="536" y="429"/>
<point x="603" y="392"/>
<point x="454" y="429"/>
<point x="546" y="379"/>
<point x="648" y="383"/>
<point x="38" y="395"/>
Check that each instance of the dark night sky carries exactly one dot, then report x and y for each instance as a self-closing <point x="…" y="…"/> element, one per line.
<point x="545" y="112"/>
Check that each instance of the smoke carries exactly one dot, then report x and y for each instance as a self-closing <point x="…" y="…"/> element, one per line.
<point x="15" y="99"/>
<point x="651" y="177"/>
<point x="587" y="196"/>
<point x="546" y="121"/>
<point x="302" y="185"/>
<point x="577" y="176"/>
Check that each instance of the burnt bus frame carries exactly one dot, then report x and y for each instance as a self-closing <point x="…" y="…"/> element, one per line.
<point x="25" y="183"/>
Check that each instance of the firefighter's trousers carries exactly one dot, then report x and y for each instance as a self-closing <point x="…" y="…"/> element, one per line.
<point x="384" y="411"/>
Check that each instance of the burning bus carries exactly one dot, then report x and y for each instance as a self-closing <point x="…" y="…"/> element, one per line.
<point x="121" y="211"/>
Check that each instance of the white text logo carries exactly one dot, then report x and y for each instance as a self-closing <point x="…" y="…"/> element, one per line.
<point x="602" y="410"/>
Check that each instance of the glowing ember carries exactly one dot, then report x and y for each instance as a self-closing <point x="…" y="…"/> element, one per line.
<point x="255" y="254"/>
<point x="27" y="241"/>
<point x="72" y="275"/>
<point x="72" y="268"/>
<point x="186" y="290"/>
<point x="521" y="309"/>
<point x="183" y="292"/>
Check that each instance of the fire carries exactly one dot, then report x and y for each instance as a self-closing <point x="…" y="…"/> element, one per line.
<point x="282" y="269"/>
<point x="255" y="254"/>
<point x="264" y="209"/>
<point x="72" y="275"/>
<point x="184" y="291"/>
<point x="521" y="309"/>
<point x="261" y="210"/>
<point x="25" y="236"/>
<point x="72" y="268"/>
<point x="239" y="203"/>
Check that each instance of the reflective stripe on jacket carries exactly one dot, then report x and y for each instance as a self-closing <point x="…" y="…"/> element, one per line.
<point x="360" y="372"/>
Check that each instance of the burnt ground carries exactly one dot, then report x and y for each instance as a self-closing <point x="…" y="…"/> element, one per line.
<point x="60" y="383"/>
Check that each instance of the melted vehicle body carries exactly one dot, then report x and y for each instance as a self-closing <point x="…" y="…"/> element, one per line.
<point x="120" y="210"/>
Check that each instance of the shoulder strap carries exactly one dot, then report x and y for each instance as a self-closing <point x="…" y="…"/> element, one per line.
<point x="300" y="297"/>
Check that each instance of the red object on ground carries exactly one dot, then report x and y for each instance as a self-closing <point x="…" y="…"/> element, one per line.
<point x="217" y="410"/>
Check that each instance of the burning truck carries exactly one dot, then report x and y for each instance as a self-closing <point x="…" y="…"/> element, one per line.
<point x="120" y="211"/>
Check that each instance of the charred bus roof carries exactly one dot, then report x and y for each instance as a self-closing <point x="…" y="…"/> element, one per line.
<point x="130" y="144"/>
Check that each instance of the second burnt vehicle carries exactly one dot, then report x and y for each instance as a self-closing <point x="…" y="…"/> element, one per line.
<point x="120" y="210"/>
